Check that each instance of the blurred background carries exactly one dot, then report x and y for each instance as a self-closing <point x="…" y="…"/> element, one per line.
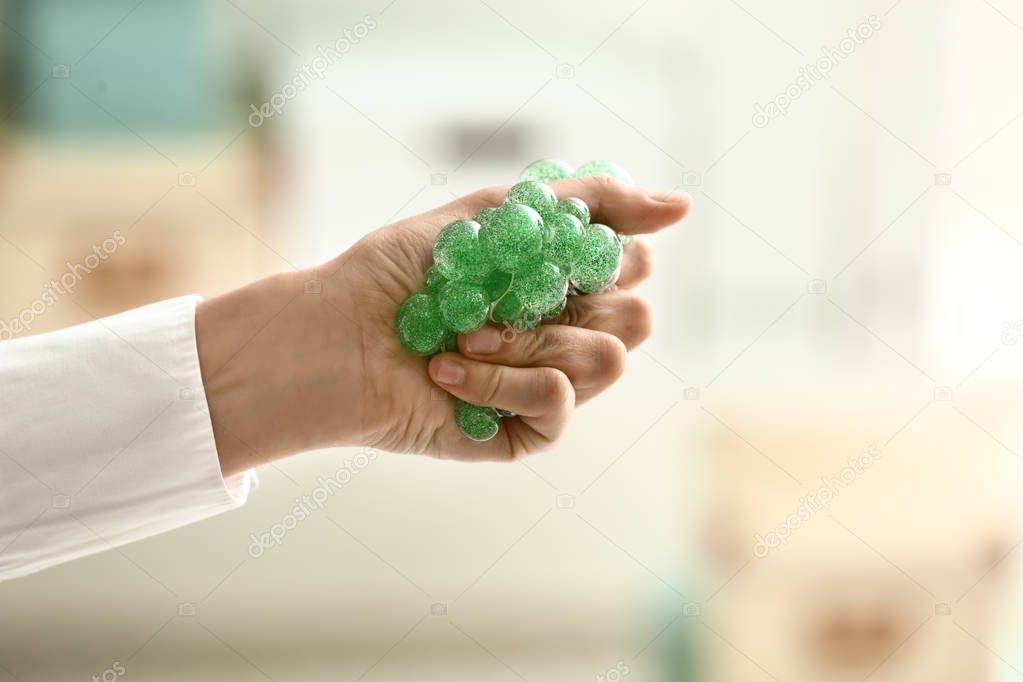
<point x="812" y="471"/>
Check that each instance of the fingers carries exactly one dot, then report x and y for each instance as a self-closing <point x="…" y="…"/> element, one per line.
<point x="629" y="210"/>
<point x="623" y="313"/>
<point x="592" y="360"/>
<point x="542" y="397"/>
<point x="637" y="264"/>
<point x="589" y="343"/>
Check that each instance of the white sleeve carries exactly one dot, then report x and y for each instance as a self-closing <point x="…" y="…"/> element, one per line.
<point x="105" y="437"/>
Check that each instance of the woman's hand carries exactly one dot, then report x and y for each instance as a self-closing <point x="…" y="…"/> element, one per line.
<point x="310" y="359"/>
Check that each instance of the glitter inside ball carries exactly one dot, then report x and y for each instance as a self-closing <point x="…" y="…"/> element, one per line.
<point x="563" y="239"/>
<point x="496" y="284"/>
<point x="536" y="195"/>
<point x="512" y="237"/>
<point x="419" y="326"/>
<point x="508" y="309"/>
<point x="456" y="252"/>
<point x="510" y="312"/>
<point x="556" y="310"/>
<point x="603" y="168"/>
<point x="529" y="320"/>
<point x="541" y="289"/>
<point x="463" y="307"/>
<point x="477" y="422"/>
<point x="574" y="206"/>
<point x="545" y="170"/>
<point x="599" y="261"/>
<point x="484" y="215"/>
<point x="434" y="281"/>
<point x="450" y="343"/>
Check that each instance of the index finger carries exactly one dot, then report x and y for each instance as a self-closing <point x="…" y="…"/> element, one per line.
<point x="629" y="210"/>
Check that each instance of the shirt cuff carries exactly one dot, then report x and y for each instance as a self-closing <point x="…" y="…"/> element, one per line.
<point x="106" y="438"/>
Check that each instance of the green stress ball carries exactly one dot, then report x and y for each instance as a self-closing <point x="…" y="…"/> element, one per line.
<point x="600" y="259"/>
<point x="512" y="238"/>
<point x="456" y="251"/>
<point x="463" y="307"/>
<point x="541" y="289"/>
<point x="562" y="240"/>
<point x="477" y="422"/>
<point x="575" y="206"/>
<point x="536" y="195"/>
<point x="603" y="168"/>
<point x="434" y="281"/>
<point x="510" y="312"/>
<point x="450" y="343"/>
<point x="419" y="326"/>
<point x="513" y="265"/>
<point x="484" y="215"/>
<point x="508" y="309"/>
<point x="496" y="284"/>
<point x="546" y="170"/>
<point x="529" y="320"/>
<point x="556" y="310"/>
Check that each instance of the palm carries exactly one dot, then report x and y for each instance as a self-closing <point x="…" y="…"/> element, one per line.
<point x="411" y="412"/>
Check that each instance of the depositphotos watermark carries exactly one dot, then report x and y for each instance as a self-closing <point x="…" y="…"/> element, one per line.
<point x="314" y="70"/>
<point x="110" y="674"/>
<point x="1012" y="332"/>
<point x="527" y="322"/>
<point x="63" y="286"/>
<point x="820" y="500"/>
<point x="615" y="674"/>
<point x="813" y="73"/>
<point x="314" y="501"/>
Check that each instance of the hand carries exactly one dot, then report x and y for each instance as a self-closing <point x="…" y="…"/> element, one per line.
<point x="286" y="370"/>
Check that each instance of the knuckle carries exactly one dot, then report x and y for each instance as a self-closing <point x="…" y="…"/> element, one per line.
<point x="520" y="349"/>
<point x="488" y="196"/>
<point x="547" y="442"/>
<point x="545" y="341"/>
<point x="612" y="356"/>
<point x="491" y="386"/>
<point x="519" y="451"/>
<point x="553" y="386"/>
<point x="602" y="183"/>
<point x="640" y="317"/>
<point x="607" y="188"/>
<point x="574" y="315"/>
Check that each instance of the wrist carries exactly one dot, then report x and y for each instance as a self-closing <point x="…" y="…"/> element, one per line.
<point x="224" y="325"/>
<point x="261" y="348"/>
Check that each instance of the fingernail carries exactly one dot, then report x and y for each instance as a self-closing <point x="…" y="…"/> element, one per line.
<point x="449" y="372"/>
<point x="483" y="340"/>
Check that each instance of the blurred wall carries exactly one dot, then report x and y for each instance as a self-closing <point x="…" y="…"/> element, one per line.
<point x="847" y="280"/>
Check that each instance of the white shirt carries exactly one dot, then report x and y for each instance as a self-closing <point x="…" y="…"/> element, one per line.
<point x="105" y="438"/>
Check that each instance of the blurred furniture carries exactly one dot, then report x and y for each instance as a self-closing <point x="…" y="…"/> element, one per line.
<point x="896" y="576"/>
<point x="126" y="125"/>
<point x="181" y="232"/>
